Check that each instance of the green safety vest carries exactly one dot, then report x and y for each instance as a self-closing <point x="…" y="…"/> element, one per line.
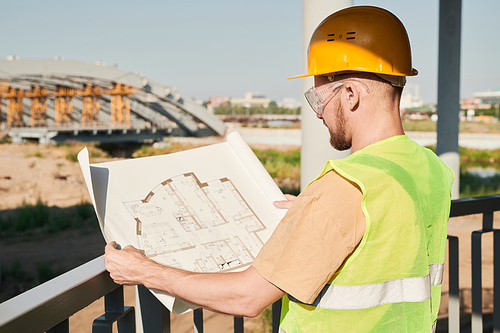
<point x="392" y="281"/>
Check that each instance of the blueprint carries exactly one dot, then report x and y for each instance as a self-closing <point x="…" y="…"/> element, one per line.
<point x="210" y="223"/>
<point x="207" y="209"/>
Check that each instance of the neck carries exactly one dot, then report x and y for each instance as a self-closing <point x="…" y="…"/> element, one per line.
<point x="376" y="126"/>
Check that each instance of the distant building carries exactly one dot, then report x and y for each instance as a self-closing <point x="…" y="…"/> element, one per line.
<point x="289" y="103"/>
<point x="489" y="97"/>
<point x="411" y="97"/>
<point x="481" y="100"/>
<point x="215" y="102"/>
<point x="422" y="112"/>
<point x="251" y="99"/>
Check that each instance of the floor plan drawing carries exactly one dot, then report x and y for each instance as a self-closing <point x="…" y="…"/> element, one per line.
<point x="206" y="209"/>
<point x="209" y="225"/>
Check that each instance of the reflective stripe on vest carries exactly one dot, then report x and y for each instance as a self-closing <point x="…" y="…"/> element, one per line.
<point x="434" y="327"/>
<point x="436" y="273"/>
<point x="340" y="297"/>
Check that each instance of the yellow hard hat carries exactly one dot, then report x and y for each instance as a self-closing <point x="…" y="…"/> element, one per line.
<point x="361" y="39"/>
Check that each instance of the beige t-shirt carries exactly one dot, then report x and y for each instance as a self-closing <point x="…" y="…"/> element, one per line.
<point x="320" y="230"/>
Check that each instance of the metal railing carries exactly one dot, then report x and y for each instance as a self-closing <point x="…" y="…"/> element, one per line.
<point x="486" y="206"/>
<point x="47" y="308"/>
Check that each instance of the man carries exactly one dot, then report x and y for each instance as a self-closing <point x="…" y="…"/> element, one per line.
<point x="361" y="249"/>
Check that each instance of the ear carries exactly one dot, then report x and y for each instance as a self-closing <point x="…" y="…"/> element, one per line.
<point x="352" y="96"/>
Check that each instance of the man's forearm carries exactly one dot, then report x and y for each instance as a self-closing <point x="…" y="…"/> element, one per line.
<point x="233" y="293"/>
<point x="243" y="293"/>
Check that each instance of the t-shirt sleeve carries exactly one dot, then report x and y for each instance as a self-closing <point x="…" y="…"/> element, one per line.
<point x="323" y="226"/>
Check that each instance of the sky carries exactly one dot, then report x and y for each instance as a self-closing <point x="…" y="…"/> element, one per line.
<point x="230" y="47"/>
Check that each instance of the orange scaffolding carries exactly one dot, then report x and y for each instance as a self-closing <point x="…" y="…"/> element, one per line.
<point x="91" y="95"/>
<point x="120" y="103"/>
<point x="15" y="107"/>
<point x="64" y="105"/>
<point x="38" y="106"/>
<point x="4" y="88"/>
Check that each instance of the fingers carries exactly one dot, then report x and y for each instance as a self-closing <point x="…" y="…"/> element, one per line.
<point x="113" y="250"/>
<point x="121" y="263"/>
<point x="285" y="204"/>
<point x="126" y="266"/>
<point x="282" y="204"/>
<point x="111" y="246"/>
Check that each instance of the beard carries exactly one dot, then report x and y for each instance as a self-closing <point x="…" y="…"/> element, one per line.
<point x="338" y="138"/>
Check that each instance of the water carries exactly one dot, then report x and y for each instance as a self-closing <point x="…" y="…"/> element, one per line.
<point x="279" y="123"/>
<point x="468" y="140"/>
<point x="484" y="172"/>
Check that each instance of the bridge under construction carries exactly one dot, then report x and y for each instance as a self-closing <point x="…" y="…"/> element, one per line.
<point x="58" y="100"/>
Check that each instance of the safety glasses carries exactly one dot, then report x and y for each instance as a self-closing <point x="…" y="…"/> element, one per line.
<point x="320" y="96"/>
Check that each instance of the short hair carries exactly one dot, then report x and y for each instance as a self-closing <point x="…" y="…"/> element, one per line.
<point x="381" y="87"/>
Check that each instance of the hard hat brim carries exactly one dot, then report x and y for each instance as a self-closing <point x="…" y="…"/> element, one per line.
<point x="300" y="76"/>
<point x="412" y="73"/>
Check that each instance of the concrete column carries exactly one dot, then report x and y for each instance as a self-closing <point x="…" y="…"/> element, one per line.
<point x="316" y="149"/>
<point x="448" y="108"/>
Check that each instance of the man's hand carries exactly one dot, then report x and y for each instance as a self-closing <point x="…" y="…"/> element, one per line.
<point x="125" y="266"/>
<point x="285" y="204"/>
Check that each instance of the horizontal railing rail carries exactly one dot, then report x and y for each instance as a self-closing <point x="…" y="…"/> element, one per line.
<point x="475" y="205"/>
<point x="49" y="304"/>
<point x="46" y="308"/>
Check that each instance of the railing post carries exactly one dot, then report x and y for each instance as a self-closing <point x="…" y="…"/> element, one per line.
<point x="238" y="325"/>
<point x="155" y="316"/>
<point x="476" y="267"/>
<point x="276" y="315"/>
<point x="115" y="311"/>
<point x="496" y="281"/>
<point x="477" y="299"/>
<point x="453" y="286"/>
<point x="198" y="320"/>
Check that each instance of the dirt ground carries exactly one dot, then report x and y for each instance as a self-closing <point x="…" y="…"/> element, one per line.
<point x="32" y="172"/>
